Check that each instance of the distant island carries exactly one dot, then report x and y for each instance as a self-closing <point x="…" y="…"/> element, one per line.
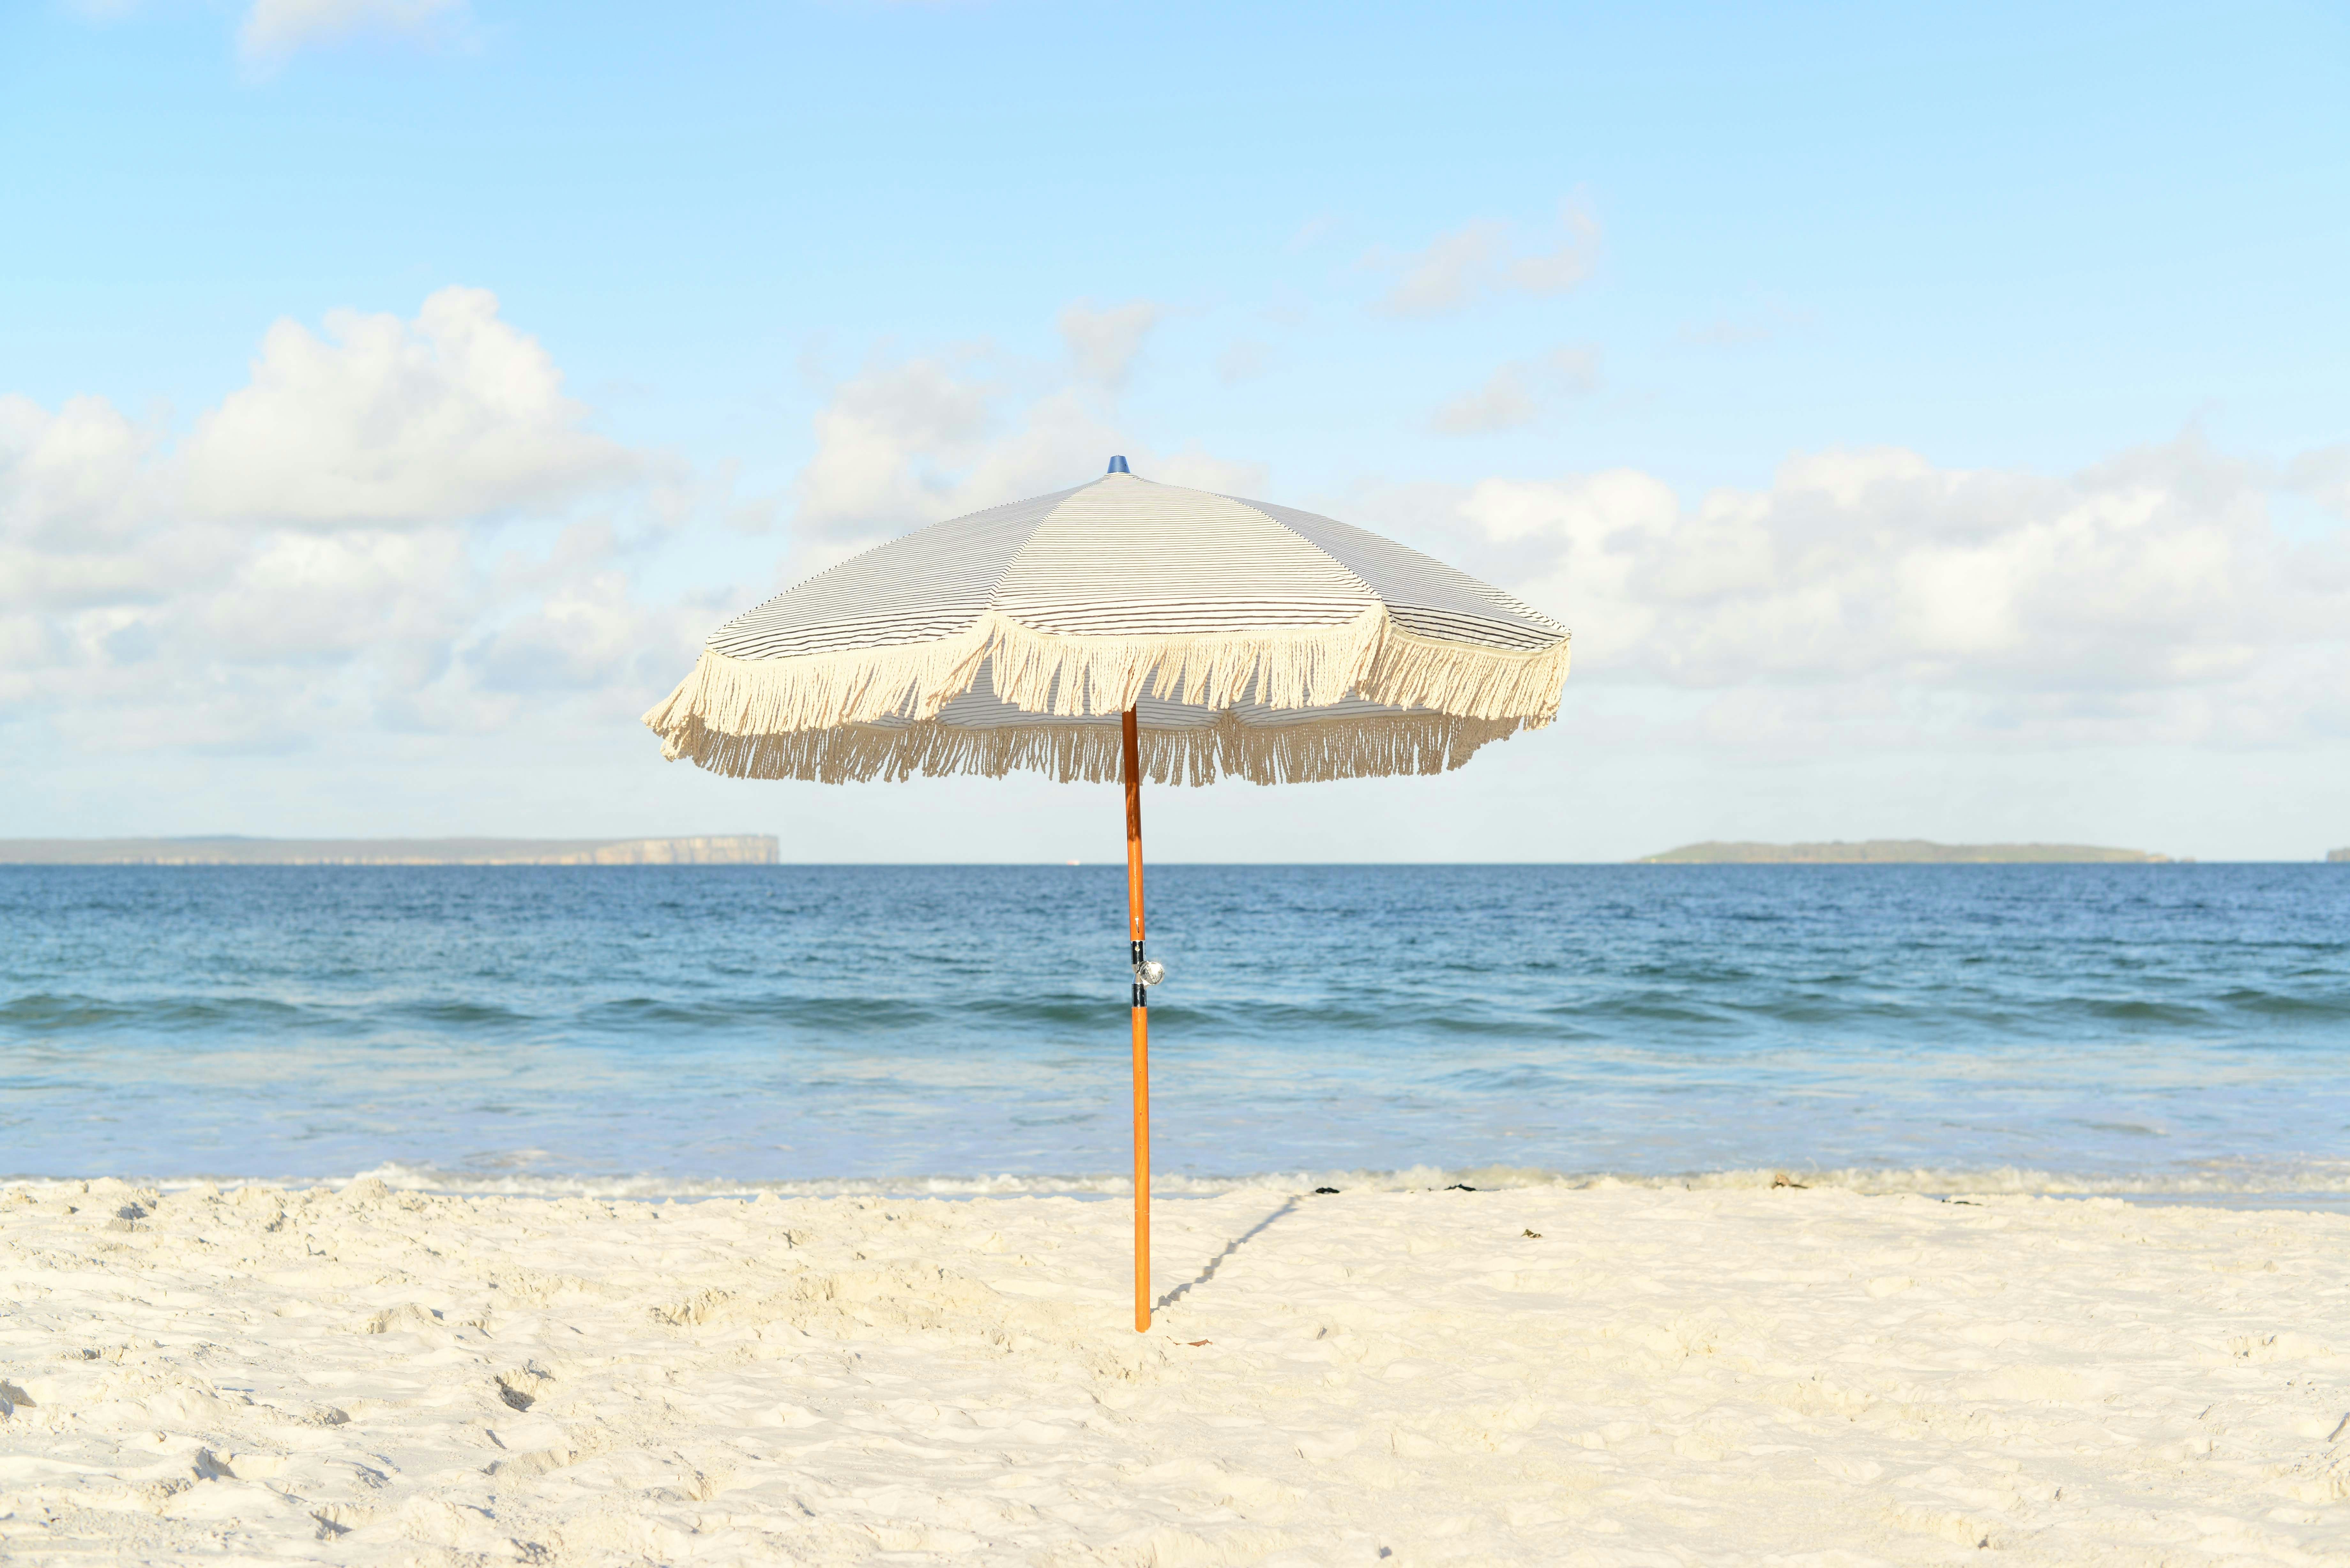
<point x="2337" y="855"/>
<point x="724" y="849"/>
<point x="1898" y="852"/>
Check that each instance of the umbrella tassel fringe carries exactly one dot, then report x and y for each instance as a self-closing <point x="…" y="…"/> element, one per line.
<point x="871" y="713"/>
<point x="1311" y="752"/>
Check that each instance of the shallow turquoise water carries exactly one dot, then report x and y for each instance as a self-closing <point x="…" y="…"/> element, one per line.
<point x="2162" y="1028"/>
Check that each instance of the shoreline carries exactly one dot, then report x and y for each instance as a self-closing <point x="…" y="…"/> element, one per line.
<point x="2318" y="1189"/>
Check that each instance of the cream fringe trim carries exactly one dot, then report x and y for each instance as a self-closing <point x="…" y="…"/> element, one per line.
<point x="728" y="704"/>
<point x="1305" y="753"/>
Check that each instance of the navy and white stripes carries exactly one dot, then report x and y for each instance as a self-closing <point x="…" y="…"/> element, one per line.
<point x="1031" y="624"/>
<point x="1124" y="557"/>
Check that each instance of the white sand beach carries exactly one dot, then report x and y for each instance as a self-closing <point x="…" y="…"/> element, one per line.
<point x="1544" y="1375"/>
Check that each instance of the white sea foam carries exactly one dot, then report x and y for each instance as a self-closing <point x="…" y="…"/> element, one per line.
<point x="2318" y="1183"/>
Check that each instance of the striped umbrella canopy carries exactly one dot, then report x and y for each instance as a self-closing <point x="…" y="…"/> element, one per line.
<point x="1122" y="629"/>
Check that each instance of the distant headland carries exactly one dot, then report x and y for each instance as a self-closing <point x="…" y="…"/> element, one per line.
<point x="723" y="850"/>
<point x="1899" y="852"/>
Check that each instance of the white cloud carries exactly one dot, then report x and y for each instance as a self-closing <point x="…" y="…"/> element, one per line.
<point x="274" y="30"/>
<point x="455" y="414"/>
<point x="2323" y="476"/>
<point x="1514" y="395"/>
<point x="1445" y="277"/>
<point x="1502" y="403"/>
<point x="907" y="444"/>
<point x="1194" y="465"/>
<point x="76" y="474"/>
<point x="1574" y="368"/>
<point x="1571" y="262"/>
<point x="1862" y="599"/>
<point x="1473" y="261"/>
<point x="2149" y="595"/>
<point x="1104" y="344"/>
<point x="312" y="557"/>
<point x="887" y="444"/>
<point x="589" y="635"/>
<point x="405" y="527"/>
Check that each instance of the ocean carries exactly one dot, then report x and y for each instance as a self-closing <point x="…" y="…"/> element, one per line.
<point x="2146" y="1031"/>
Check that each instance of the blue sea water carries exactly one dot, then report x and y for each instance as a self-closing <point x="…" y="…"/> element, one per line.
<point x="2141" y="1029"/>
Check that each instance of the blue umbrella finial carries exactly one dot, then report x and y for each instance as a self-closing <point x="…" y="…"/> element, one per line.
<point x="1118" y="465"/>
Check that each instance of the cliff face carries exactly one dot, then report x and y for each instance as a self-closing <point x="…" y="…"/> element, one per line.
<point x="2338" y="855"/>
<point x="723" y="850"/>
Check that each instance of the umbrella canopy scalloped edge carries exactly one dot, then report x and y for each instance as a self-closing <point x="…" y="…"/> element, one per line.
<point x="871" y="713"/>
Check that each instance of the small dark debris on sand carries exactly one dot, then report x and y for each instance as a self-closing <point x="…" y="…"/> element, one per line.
<point x="1533" y="1235"/>
<point x="1321" y="1192"/>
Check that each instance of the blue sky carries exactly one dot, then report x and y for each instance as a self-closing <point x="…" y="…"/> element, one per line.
<point x="1930" y="423"/>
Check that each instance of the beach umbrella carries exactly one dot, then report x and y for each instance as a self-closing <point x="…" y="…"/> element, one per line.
<point x="1121" y="629"/>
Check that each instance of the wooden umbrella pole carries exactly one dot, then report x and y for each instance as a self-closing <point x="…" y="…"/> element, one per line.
<point x="1141" y="1029"/>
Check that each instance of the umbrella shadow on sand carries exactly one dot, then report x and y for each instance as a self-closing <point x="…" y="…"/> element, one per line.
<point x="1287" y="1208"/>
